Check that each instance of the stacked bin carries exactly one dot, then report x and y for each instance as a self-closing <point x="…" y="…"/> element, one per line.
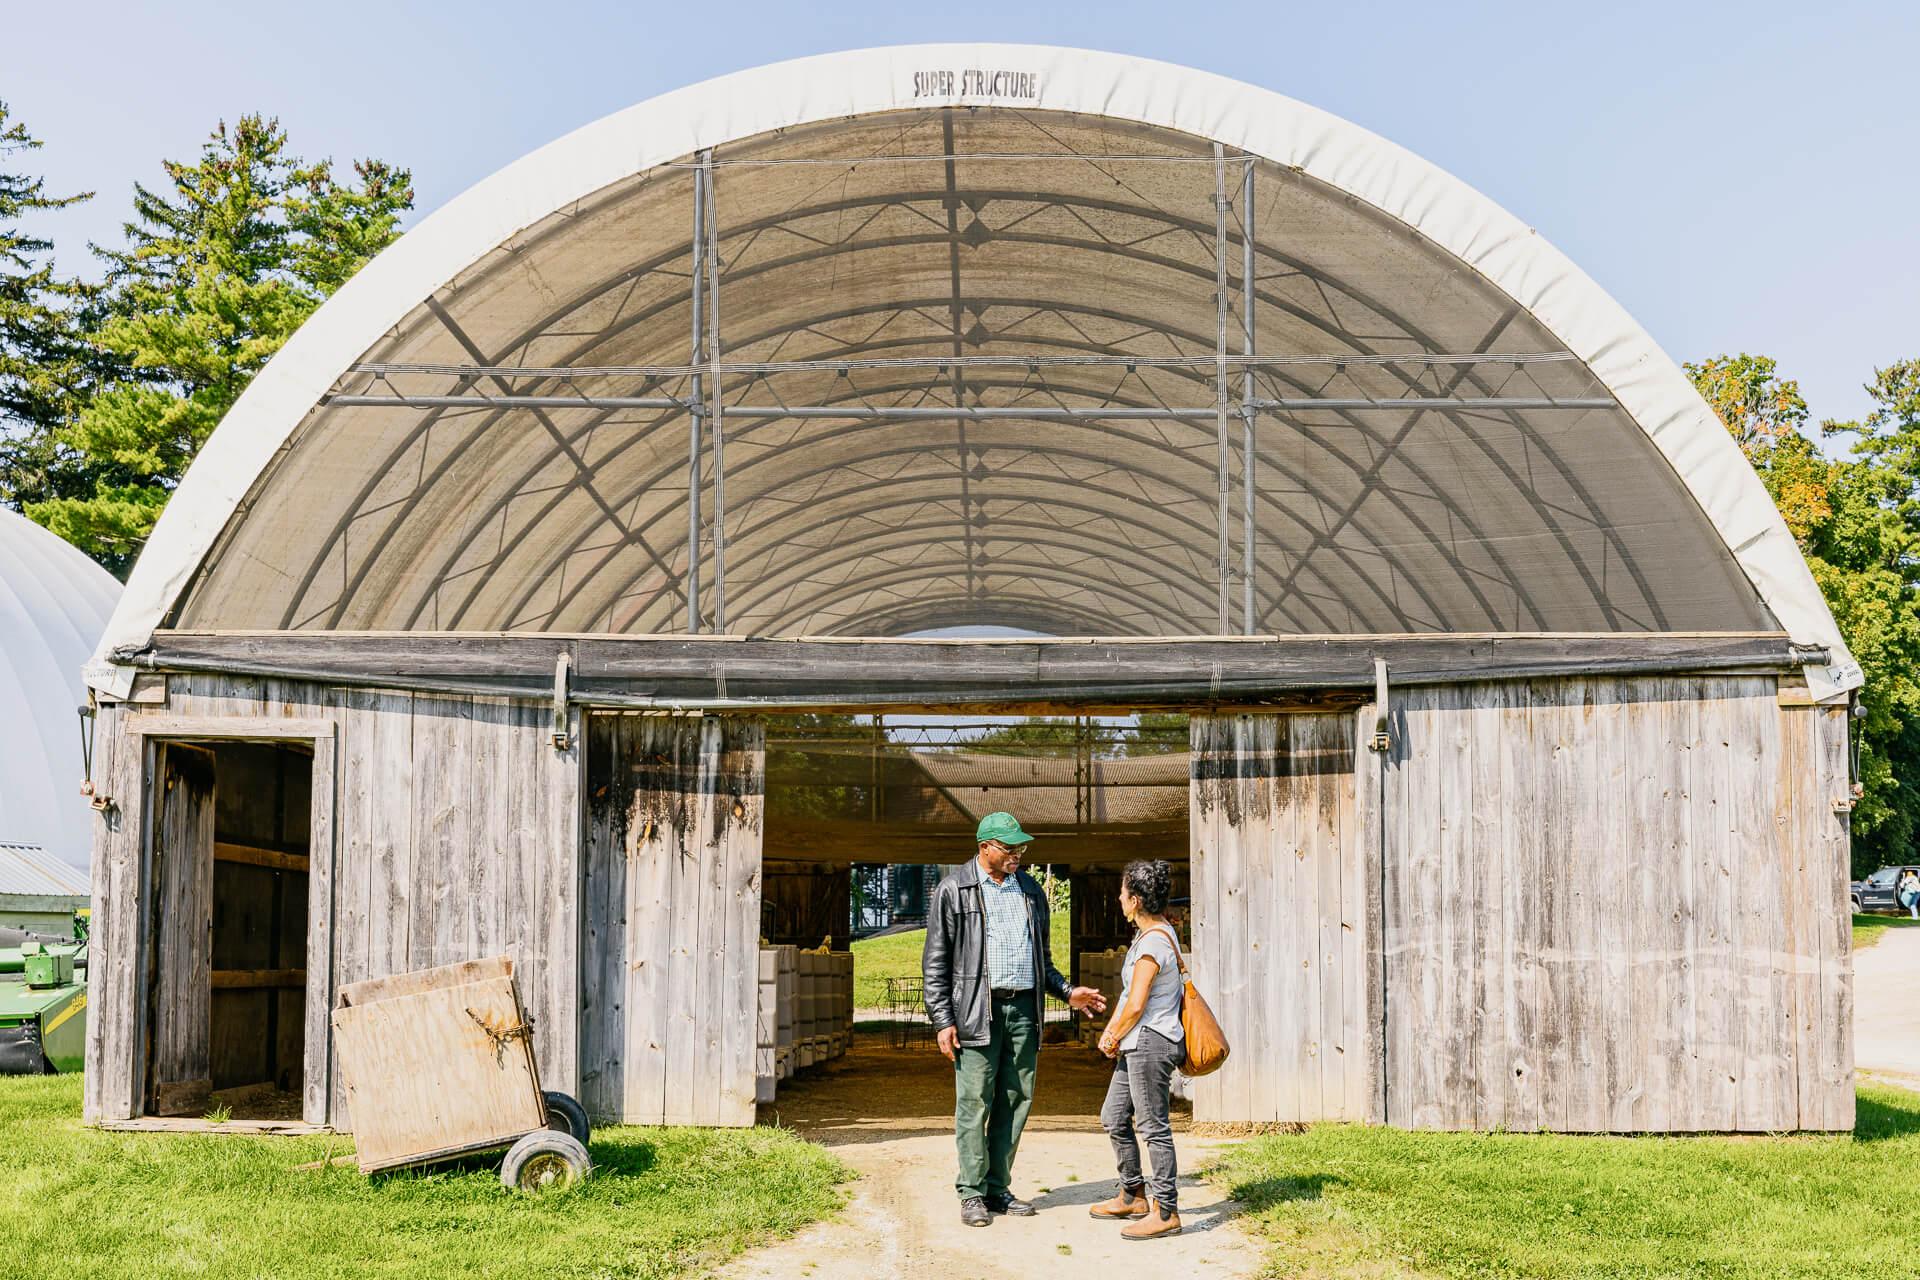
<point x="1101" y="971"/>
<point x="805" y="1013"/>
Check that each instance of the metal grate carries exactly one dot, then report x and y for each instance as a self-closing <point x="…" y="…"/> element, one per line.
<point x="908" y="1026"/>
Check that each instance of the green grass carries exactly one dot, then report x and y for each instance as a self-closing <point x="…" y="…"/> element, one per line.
<point x="898" y="956"/>
<point x="1354" y="1200"/>
<point x="1868" y="930"/>
<point x="662" y="1203"/>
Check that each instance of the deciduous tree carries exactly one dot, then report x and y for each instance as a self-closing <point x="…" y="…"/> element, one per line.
<point x="1857" y="519"/>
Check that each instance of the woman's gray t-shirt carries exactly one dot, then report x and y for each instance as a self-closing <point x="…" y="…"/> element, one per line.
<point x="1162" y="1013"/>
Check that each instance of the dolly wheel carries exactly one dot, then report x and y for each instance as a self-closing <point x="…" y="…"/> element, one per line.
<point x="567" y="1116"/>
<point x="545" y="1160"/>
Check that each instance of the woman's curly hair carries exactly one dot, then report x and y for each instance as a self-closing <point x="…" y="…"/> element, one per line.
<point x="1151" y="882"/>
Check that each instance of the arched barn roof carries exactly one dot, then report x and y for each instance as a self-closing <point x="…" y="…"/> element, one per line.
<point x="973" y="326"/>
<point x="54" y="605"/>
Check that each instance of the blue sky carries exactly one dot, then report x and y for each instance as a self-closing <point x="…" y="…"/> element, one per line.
<point x="1739" y="176"/>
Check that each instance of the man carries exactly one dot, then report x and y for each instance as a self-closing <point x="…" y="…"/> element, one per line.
<point x="988" y="971"/>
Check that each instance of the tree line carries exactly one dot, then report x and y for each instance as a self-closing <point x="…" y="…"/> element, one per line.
<point x="109" y="386"/>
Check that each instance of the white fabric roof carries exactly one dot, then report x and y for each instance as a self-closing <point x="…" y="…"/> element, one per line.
<point x="962" y="204"/>
<point x="54" y="605"/>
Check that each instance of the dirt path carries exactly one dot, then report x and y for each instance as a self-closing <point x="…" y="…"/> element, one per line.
<point x="1886" y="1008"/>
<point x="903" y="1219"/>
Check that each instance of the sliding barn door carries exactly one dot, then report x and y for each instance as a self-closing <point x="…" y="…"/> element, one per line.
<point x="672" y="926"/>
<point x="1279" y="916"/>
<point x="181" y="980"/>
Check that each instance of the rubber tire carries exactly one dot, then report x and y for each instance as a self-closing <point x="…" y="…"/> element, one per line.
<point x="1856" y="906"/>
<point x="568" y="1116"/>
<point x="545" y="1160"/>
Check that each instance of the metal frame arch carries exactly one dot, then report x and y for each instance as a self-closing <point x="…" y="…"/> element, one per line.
<point x="519" y="605"/>
<point x="1650" y="388"/>
<point x="852" y="553"/>
<point x="1437" y="492"/>
<point x="1097" y="248"/>
<point x="1037" y="572"/>
<point x="672" y="509"/>
<point x="1118" y="516"/>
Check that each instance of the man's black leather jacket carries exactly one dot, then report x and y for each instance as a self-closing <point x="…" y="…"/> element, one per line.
<point x="954" y="963"/>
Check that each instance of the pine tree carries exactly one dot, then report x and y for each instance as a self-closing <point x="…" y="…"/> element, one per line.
<point x="219" y="268"/>
<point x="46" y="364"/>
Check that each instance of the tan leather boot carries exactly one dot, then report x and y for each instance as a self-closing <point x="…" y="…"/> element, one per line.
<point x="1153" y="1226"/>
<point x="1130" y="1203"/>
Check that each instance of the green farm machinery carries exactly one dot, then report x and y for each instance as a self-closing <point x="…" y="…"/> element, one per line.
<point x="43" y="1001"/>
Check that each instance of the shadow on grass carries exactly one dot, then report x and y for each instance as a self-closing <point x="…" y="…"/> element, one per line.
<point x="1264" y="1193"/>
<point x="1877" y="1121"/>
<point x="619" y="1158"/>
<point x="627" y="1158"/>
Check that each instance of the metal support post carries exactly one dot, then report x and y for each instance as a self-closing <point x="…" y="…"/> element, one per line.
<point x="715" y="417"/>
<point x="1220" y="394"/>
<point x="1246" y="396"/>
<point x="698" y="294"/>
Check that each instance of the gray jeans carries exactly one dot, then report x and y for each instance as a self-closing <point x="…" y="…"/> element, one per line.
<point x="1137" y="1101"/>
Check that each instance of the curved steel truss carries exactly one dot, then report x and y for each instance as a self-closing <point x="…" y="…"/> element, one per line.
<point x="954" y="367"/>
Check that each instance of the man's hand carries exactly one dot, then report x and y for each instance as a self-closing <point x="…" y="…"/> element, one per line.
<point x="948" y="1039"/>
<point x="1087" y="1000"/>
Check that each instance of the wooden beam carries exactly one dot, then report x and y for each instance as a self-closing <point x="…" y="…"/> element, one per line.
<point x="272" y="859"/>
<point x="671" y="673"/>
<point x="258" y="979"/>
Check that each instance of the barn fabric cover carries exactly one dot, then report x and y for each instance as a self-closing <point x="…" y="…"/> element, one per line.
<point x="1003" y="266"/>
<point x="54" y="604"/>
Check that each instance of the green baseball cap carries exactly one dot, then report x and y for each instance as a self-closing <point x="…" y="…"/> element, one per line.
<point x="1001" y="826"/>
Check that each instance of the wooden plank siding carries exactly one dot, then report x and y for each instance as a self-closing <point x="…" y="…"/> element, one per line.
<point x="449" y="832"/>
<point x="1277" y="892"/>
<point x="672" y="917"/>
<point x="1602" y="904"/>
<point x="1611" y="904"/>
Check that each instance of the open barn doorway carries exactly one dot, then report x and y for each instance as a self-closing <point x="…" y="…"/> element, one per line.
<point x="227" y="962"/>
<point x="864" y="815"/>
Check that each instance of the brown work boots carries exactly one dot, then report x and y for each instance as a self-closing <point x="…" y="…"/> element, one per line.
<point x="1150" y="1221"/>
<point x="1132" y="1202"/>
<point x="1158" y="1223"/>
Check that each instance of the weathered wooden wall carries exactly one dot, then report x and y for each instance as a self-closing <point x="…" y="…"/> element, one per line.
<point x="1279" y="916"/>
<point x="1615" y="905"/>
<point x="1591" y="905"/>
<point x="675" y="810"/>
<point x="1604" y="904"/>
<point x="452" y="825"/>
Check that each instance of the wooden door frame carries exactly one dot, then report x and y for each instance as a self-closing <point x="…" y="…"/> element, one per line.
<point x="151" y="730"/>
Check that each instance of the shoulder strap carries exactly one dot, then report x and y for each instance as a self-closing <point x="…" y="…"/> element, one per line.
<point x="1171" y="937"/>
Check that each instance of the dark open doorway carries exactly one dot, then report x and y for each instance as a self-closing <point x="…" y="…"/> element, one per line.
<point x="865" y="814"/>
<point x="229" y="938"/>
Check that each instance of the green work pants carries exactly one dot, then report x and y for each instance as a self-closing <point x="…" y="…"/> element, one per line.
<point x="993" y="1090"/>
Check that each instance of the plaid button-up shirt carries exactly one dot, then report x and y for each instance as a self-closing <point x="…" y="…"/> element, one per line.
<point x="1009" y="934"/>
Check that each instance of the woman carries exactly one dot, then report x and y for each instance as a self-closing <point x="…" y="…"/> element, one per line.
<point x="1909" y="893"/>
<point x="1146" y="1043"/>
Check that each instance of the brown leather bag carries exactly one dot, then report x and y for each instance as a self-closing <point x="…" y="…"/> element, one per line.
<point x="1207" y="1044"/>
